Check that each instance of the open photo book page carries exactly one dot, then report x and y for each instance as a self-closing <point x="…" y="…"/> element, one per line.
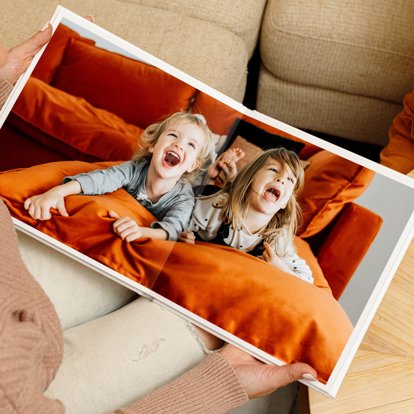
<point x="265" y="236"/>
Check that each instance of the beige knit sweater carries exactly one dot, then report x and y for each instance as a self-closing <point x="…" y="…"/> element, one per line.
<point x="31" y="348"/>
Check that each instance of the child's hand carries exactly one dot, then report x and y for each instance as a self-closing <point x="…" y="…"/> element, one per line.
<point x="187" y="237"/>
<point x="39" y="206"/>
<point x="126" y="228"/>
<point x="228" y="159"/>
<point x="270" y="256"/>
<point x="227" y="174"/>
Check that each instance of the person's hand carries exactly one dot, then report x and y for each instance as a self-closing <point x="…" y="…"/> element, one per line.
<point x="224" y="169"/>
<point x="227" y="174"/>
<point x="270" y="256"/>
<point x="260" y="379"/>
<point x="15" y="61"/>
<point x="39" y="206"/>
<point x="126" y="228"/>
<point x="187" y="237"/>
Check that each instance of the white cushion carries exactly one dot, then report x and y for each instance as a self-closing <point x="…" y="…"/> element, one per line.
<point x="78" y="293"/>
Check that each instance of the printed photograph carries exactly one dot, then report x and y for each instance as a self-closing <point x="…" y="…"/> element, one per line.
<point x="257" y="233"/>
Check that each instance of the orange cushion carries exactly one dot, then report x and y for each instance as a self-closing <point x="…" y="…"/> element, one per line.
<point x="137" y="92"/>
<point x="330" y="182"/>
<point x="219" y="116"/>
<point x="53" y="54"/>
<point x="398" y="154"/>
<point x="272" y="310"/>
<point x="72" y="126"/>
<point x="308" y="149"/>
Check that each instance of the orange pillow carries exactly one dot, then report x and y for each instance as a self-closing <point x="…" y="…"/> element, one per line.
<point x="282" y="315"/>
<point x="219" y="116"/>
<point x="72" y="126"/>
<point x="137" y="92"/>
<point x="53" y="54"/>
<point x="330" y="182"/>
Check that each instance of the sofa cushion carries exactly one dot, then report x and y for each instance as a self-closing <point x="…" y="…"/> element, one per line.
<point x="137" y="92"/>
<point x="72" y="126"/>
<point x="111" y="361"/>
<point x="348" y="46"/>
<point x="330" y="182"/>
<point x="53" y="54"/>
<point x="64" y="279"/>
<point x="204" y="49"/>
<point x="242" y="17"/>
<point x="341" y="114"/>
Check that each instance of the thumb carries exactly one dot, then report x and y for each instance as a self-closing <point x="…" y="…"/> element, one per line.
<point x="293" y="372"/>
<point x="31" y="46"/>
<point x="273" y="377"/>
<point x="113" y="214"/>
<point x="62" y="209"/>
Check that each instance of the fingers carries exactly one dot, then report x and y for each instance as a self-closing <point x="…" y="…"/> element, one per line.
<point x="286" y="374"/>
<point x="239" y="154"/>
<point x="187" y="237"/>
<point x="127" y="229"/>
<point x="61" y="208"/>
<point x="213" y="171"/>
<point x="113" y="214"/>
<point x="31" y="46"/>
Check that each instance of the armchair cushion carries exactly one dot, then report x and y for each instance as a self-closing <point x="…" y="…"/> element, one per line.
<point x="53" y="54"/>
<point x="330" y="182"/>
<point x="72" y="126"/>
<point x="135" y="91"/>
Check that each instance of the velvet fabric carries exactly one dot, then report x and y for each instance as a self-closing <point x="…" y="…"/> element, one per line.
<point x="60" y="120"/>
<point x="338" y="257"/>
<point x="219" y="116"/>
<point x="330" y="182"/>
<point x="53" y="54"/>
<point x="275" y="311"/>
<point x="135" y="91"/>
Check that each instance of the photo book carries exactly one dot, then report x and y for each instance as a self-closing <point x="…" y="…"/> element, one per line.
<point x="280" y="290"/>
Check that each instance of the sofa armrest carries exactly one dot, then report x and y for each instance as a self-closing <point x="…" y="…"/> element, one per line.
<point x="348" y="240"/>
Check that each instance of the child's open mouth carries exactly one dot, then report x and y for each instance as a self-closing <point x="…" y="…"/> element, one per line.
<point x="171" y="158"/>
<point x="271" y="194"/>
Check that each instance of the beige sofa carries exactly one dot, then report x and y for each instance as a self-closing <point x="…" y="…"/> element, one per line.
<point x="340" y="68"/>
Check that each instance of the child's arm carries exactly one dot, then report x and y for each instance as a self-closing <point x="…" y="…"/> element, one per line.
<point x="127" y="229"/>
<point x="39" y="206"/>
<point x="293" y="265"/>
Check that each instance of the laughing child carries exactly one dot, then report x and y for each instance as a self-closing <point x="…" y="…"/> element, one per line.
<point x="171" y="154"/>
<point x="256" y="213"/>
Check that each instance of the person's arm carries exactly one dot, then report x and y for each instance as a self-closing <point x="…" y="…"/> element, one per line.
<point x="5" y="89"/>
<point x="39" y="206"/>
<point x="108" y="180"/>
<point x="177" y="218"/>
<point x="222" y="382"/>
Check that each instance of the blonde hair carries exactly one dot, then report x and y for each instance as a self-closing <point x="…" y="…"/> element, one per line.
<point x="286" y="220"/>
<point x="153" y="132"/>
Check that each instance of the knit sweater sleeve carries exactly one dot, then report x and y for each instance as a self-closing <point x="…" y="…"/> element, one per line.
<point x="5" y="89"/>
<point x="210" y="387"/>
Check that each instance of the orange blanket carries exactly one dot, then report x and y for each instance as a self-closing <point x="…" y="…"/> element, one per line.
<point x="274" y="311"/>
